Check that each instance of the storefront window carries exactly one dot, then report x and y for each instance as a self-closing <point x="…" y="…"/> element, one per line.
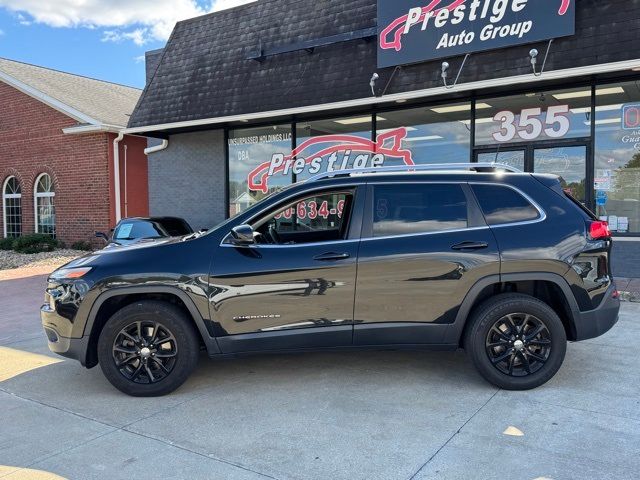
<point x="617" y="156"/>
<point x="334" y="144"/>
<point x="534" y="117"/>
<point x="253" y="152"/>
<point x="438" y="134"/>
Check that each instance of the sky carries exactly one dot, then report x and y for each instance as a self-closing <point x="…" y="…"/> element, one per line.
<point x="104" y="39"/>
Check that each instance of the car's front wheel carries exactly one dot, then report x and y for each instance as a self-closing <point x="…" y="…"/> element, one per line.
<point x="516" y="341"/>
<point x="148" y="348"/>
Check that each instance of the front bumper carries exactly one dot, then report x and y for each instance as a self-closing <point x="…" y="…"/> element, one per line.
<point x="55" y="328"/>
<point x="600" y="320"/>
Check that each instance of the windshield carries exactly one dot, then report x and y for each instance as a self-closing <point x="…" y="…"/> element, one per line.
<point x="136" y="230"/>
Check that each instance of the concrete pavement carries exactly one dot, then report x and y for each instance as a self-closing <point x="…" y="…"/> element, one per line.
<point x="368" y="415"/>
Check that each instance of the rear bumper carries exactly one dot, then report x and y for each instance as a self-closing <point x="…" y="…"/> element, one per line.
<point x="54" y="324"/>
<point x="597" y="322"/>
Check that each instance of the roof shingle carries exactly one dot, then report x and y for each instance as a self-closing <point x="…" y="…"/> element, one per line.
<point x="108" y="103"/>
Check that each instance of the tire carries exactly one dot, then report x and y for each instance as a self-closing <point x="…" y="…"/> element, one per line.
<point x="148" y="368"/>
<point x="515" y="364"/>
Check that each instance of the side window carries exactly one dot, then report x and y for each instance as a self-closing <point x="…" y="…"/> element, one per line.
<point x="502" y="205"/>
<point x="317" y="218"/>
<point x="402" y="209"/>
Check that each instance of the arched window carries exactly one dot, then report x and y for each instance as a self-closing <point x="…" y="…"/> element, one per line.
<point x="44" y="194"/>
<point x="12" y="207"/>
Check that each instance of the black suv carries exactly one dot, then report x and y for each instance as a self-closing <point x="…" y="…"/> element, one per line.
<point x="505" y="265"/>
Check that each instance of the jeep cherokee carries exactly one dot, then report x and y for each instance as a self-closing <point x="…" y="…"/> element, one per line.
<point x="503" y="264"/>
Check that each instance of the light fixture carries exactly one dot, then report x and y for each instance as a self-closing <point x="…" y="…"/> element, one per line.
<point x="587" y="93"/>
<point x="466" y="107"/>
<point x="425" y="138"/>
<point x="387" y="130"/>
<point x="357" y="120"/>
<point x="372" y="83"/>
<point x="402" y="100"/>
<point x="478" y="120"/>
<point x="603" y="108"/>
<point x="605" y="121"/>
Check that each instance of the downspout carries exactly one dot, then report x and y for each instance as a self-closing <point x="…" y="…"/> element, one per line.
<point x="116" y="174"/>
<point x="157" y="148"/>
<point x="126" y="189"/>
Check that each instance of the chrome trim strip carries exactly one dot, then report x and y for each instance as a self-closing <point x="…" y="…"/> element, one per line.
<point x="541" y="218"/>
<point x="289" y="245"/>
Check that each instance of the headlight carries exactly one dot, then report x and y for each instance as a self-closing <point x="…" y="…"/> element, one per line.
<point x="70" y="273"/>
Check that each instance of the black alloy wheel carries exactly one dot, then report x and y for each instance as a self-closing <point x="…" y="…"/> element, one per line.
<point x="148" y="348"/>
<point x="515" y="341"/>
<point x="145" y="352"/>
<point x="518" y="344"/>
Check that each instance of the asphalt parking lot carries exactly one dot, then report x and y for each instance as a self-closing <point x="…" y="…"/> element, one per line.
<point x="376" y="415"/>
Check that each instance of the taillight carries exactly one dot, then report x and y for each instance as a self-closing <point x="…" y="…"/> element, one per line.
<point x="599" y="230"/>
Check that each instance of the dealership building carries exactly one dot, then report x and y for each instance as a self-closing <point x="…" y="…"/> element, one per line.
<point x="244" y="101"/>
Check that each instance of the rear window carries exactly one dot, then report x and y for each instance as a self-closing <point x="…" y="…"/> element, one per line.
<point x="588" y="214"/>
<point x="418" y="208"/>
<point x="502" y="205"/>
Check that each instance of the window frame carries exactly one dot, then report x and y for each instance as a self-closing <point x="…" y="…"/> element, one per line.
<point x="352" y="231"/>
<point x="5" y="197"/>
<point x="475" y="219"/>
<point x="37" y="195"/>
<point x="542" y="215"/>
<point x="291" y="203"/>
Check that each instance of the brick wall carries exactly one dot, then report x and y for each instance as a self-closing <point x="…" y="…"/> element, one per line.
<point x="32" y="142"/>
<point x="188" y="178"/>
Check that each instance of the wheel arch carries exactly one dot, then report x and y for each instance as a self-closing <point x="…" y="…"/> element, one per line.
<point x="551" y="288"/>
<point x="113" y="300"/>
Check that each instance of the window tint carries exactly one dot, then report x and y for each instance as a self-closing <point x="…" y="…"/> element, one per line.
<point x="318" y="218"/>
<point x="419" y="208"/>
<point x="135" y="230"/>
<point x="503" y="205"/>
<point x="175" y="227"/>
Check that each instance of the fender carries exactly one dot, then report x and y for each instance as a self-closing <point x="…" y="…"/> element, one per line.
<point x="454" y="333"/>
<point x="209" y="341"/>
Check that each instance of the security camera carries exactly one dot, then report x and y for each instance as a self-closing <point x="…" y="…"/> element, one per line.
<point x="533" y="53"/>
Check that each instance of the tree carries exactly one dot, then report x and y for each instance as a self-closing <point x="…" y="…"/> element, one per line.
<point x="634" y="162"/>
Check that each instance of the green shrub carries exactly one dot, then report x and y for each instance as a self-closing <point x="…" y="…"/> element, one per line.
<point x="35" y="243"/>
<point x="82" y="245"/>
<point x="6" y="243"/>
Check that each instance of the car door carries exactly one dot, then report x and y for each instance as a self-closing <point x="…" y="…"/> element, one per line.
<point x="295" y="287"/>
<point x="424" y="245"/>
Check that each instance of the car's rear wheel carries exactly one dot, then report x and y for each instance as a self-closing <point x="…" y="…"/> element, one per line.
<point x="148" y="348"/>
<point x="516" y="341"/>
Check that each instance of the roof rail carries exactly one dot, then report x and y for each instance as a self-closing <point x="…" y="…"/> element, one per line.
<point x="416" y="168"/>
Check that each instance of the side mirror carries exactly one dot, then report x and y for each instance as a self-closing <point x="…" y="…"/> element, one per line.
<point x="102" y="236"/>
<point x="242" y="235"/>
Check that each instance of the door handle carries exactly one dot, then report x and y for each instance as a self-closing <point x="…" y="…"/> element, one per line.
<point x="470" y="246"/>
<point x="329" y="256"/>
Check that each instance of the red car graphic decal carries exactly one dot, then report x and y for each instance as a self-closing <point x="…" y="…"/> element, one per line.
<point x="258" y="178"/>
<point x="396" y="28"/>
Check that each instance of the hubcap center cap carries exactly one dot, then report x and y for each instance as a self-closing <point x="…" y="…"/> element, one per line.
<point x="145" y="352"/>
<point x="518" y="344"/>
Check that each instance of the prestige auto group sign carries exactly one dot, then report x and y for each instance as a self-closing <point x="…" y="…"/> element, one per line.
<point x="413" y="31"/>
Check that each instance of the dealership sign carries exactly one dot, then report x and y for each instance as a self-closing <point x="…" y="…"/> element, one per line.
<point x="331" y="153"/>
<point x="411" y="31"/>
